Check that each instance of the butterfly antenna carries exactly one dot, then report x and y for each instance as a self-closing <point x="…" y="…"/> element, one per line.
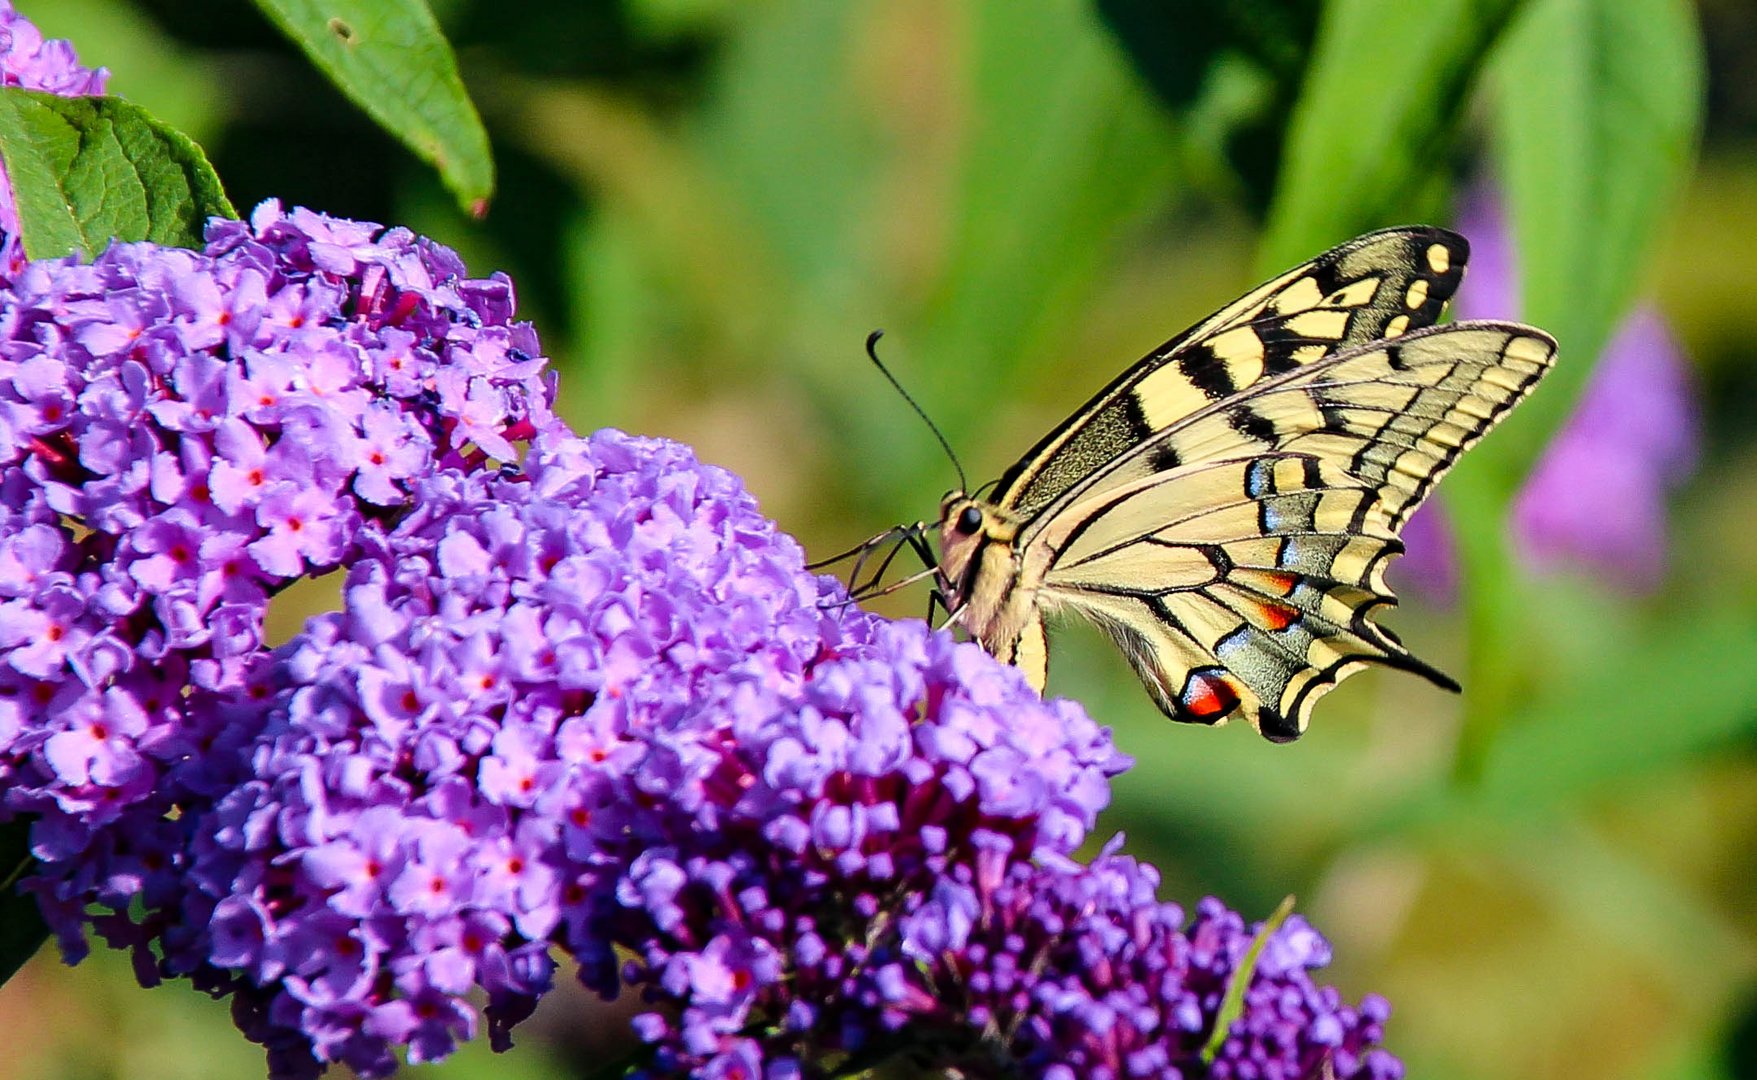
<point x="872" y="351"/>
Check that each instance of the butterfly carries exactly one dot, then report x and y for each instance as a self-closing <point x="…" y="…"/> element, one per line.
<point x="1225" y="509"/>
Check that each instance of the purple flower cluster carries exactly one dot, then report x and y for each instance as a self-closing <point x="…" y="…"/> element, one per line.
<point x="1072" y="971"/>
<point x="597" y="702"/>
<point x="776" y="940"/>
<point x="31" y="63"/>
<point x="601" y="702"/>
<point x="1289" y="1027"/>
<point x="183" y="434"/>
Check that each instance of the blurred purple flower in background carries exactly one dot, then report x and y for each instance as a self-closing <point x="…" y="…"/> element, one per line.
<point x="1596" y="499"/>
<point x="1428" y="568"/>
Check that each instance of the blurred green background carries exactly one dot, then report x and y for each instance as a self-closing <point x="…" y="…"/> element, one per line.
<point x="706" y="205"/>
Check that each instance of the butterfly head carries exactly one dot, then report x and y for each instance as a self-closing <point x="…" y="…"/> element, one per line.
<point x="961" y="527"/>
<point x="973" y="533"/>
<point x="963" y="515"/>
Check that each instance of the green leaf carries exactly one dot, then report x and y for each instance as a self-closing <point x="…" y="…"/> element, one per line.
<point x="89" y="170"/>
<point x="390" y="58"/>
<point x="22" y="930"/>
<point x="1373" y="125"/>
<point x="1685" y="688"/>
<point x="1232" y="1004"/>
<point x="1197" y="55"/>
<point x="1065" y="157"/>
<point x="1695" y="1056"/>
<point x="1174" y="44"/>
<point x="1598" y="108"/>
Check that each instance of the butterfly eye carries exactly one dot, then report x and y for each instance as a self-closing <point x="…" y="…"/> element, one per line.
<point x="970" y="521"/>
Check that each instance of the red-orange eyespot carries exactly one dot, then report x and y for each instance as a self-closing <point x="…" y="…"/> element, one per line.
<point x="1208" y="696"/>
<point x="1277" y="616"/>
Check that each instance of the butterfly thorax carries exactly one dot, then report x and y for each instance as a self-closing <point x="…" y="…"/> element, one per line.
<point x="985" y="582"/>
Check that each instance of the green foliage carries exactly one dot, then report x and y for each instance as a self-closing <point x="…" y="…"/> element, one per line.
<point x="1598" y="110"/>
<point x="1188" y="50"/>
<point x="390" y="58"/>
<point x="88" y="170"/>
<point x="1370" y="141"/>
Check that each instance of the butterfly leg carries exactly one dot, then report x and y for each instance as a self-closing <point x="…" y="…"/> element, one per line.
<point x="872" y="583"/>
<point x="917" y="539"/>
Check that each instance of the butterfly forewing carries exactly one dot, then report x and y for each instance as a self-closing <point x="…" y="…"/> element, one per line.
<point x="1379" y="285"/>
<point x="1244" y="581"/>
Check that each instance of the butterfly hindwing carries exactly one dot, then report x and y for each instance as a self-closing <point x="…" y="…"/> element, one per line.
<point x="1244" y="579"/>
<point x="1376" y="286"/>
<point x="1252" y="598"/>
